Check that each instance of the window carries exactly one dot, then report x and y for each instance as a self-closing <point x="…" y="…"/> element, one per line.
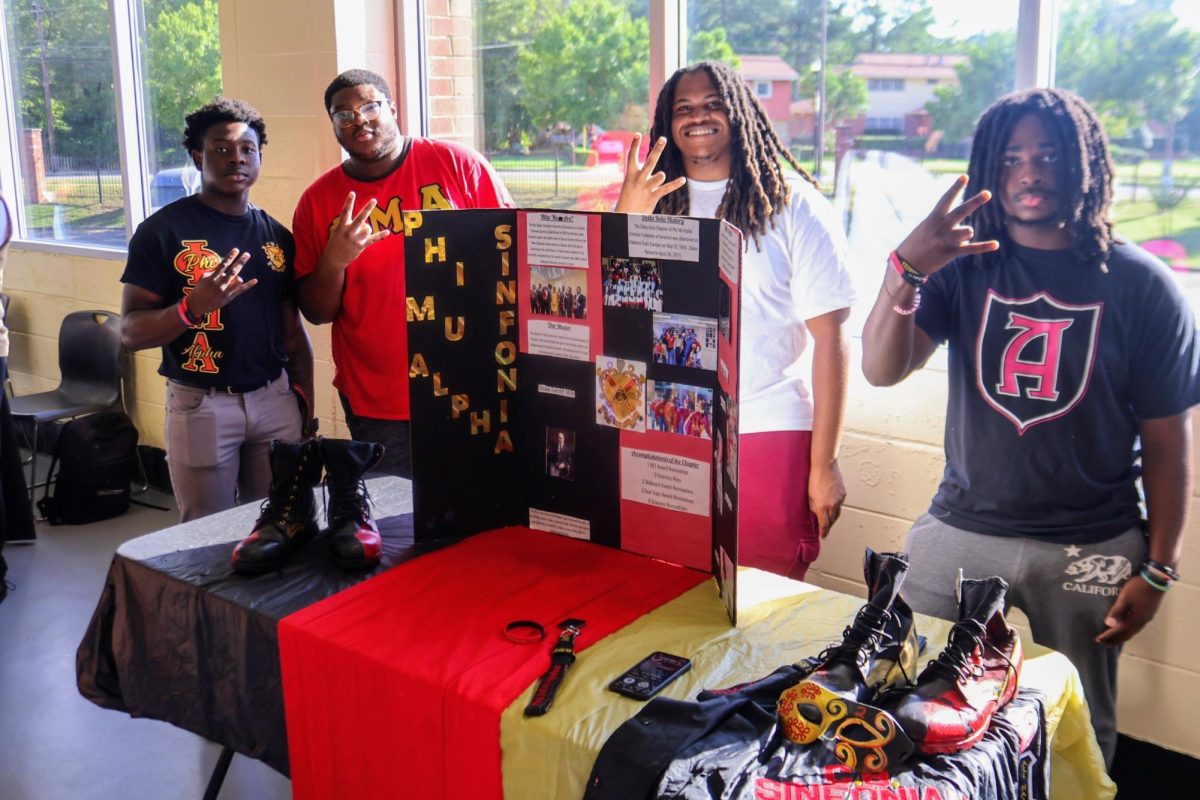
<point x="65" y="135"/>
<point x="884" y="125"/>
<point x="558" y="93"/>
<point x="882" y="161"/>
<point x="1127" y="65"/>
<point x="762" y="89"/>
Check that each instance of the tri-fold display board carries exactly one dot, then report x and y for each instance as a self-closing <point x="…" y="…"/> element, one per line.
<point x="577" y="373"/>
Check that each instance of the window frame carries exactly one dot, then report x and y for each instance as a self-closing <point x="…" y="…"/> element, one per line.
<point x="125" y="26"/>
<point x="668" y="35"/>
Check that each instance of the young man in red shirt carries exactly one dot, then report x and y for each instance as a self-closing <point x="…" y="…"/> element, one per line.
<point x="350" y="267"/>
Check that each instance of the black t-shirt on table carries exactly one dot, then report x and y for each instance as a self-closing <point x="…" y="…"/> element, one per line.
<point x="240" y="345"/>
<point x="1052" y="365"/>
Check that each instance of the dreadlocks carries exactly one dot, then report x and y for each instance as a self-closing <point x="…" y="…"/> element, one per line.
<point x="1086" y="171"/>
<point x="757" y="183"/>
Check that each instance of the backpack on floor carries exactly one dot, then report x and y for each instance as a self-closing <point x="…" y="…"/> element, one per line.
<point x="96" y="457"/>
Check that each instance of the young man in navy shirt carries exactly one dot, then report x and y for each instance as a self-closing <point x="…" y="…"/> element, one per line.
<point x="209" y="281"/>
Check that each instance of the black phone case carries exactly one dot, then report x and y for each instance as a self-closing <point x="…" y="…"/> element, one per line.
<point x="648" y="677"/>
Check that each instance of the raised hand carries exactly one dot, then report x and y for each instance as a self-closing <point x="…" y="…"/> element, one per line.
<point x="643" y="187"/>
<point x="217" y="288"/>
<point x="942" y="237"/>
<point x="351" y="234"/>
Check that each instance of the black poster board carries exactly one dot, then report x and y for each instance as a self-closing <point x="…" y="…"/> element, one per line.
<point x="577" y="373"/>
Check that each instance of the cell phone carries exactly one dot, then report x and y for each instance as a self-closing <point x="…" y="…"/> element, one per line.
<point x="648" y="677"/>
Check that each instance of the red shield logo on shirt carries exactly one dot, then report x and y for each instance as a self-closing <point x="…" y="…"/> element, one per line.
<point x="1034" y="356"/>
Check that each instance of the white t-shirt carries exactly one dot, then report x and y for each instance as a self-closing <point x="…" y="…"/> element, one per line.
<point x="797" y="271"/>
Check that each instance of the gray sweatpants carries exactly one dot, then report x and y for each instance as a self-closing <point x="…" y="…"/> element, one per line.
<point x="218" y="444"/>
<point x="1065" y="590"/>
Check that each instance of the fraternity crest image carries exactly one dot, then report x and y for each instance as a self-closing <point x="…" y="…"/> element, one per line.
<point x="1034" y="356"/>
<point x="275" y="256"/>
<point x="620" y="393"/>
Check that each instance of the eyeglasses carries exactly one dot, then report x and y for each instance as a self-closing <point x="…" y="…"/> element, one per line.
<point x="347" y="116"/>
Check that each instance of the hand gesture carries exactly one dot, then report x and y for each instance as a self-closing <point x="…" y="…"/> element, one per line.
<point x="217" y="288"/>
<point x="643" y="187"/>
<point x="1136" y="605"/>
<point x="941" y="237"/>
<point x="352" y="234"/>
<point x="826" y="493"/>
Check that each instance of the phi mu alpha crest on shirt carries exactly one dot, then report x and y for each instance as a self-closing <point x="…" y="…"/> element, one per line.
<point x="1034" y="356"/>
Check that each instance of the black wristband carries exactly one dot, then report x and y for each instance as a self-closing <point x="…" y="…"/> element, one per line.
<point x="524" y="631"/>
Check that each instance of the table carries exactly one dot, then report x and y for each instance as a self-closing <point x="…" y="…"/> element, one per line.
<point x="178" y="636"/>
<point x="206" y="642"/>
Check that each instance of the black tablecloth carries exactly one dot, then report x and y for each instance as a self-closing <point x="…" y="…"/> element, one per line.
<point x="180" y="637"/>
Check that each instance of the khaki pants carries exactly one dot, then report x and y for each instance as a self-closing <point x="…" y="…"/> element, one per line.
<point x="218" y="444"/>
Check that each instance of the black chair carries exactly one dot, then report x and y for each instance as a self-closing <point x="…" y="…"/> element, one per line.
<point x="89" y="359"/>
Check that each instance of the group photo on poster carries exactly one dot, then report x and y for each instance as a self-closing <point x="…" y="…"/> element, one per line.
<point x="679" y="408"/>
<point x="558" y="292"/>
<point x="685" y="341"/>
<point x="632" y="283"/>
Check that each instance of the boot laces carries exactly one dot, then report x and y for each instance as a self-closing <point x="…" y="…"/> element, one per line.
<point x="955" y="662"/>
<point x="868" y="628"/>
<point x="351" y="500"/>
<point x="281" y="499"/>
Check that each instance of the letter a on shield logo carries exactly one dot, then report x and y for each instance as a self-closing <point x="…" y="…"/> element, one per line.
<point x="1034" y="356"/>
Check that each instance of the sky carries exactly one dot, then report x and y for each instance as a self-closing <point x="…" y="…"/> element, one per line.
<point x="965" y="17"/>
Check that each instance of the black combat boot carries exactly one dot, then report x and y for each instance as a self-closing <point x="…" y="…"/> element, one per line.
<point x="974" y="677"/>
<point x="289" y="515"/>
<point x="878" y="652"/>
<point x="353" y="536"/>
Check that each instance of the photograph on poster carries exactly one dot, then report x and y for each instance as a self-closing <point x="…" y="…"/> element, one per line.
<point x="632" y="283"/>
<point x="679" y="408"/>
<point x="560" y="453"/>
<point x="684" y="341"/>
<point x="731" y="450"/>
<point x="558" y="292"/>
<point x="723" y="304"/>
<point x="621" y="393"/>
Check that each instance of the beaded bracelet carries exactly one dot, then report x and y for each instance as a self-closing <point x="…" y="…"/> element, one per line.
<point x="904" y="311"/>
<point x="1170" y="572"/>
<point x="1148" y="578"/>
<point x="911" y="275"/>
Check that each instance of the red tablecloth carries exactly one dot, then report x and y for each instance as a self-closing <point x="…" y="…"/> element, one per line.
<point x="394" y="688"/>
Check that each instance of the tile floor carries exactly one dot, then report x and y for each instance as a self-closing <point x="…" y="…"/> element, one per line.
<point x="55" y="745"/>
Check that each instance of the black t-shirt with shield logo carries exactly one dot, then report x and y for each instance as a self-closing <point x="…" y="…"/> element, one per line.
<point x="1053" y="362"/>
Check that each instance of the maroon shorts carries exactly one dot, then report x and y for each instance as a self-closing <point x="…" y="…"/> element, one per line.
<point x="776" y="530"/>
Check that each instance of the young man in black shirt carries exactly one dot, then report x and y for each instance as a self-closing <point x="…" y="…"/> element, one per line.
<point x="209" y="281"/>
<point x="1066" y="349"/>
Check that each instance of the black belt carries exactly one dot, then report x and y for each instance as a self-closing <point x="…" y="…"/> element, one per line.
<point x="244" y="388"/>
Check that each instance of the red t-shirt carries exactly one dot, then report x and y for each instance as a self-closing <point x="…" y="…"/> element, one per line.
<point x="370" y="340"/>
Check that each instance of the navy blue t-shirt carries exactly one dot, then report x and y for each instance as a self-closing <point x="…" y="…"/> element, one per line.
<point x="1052" y="364"/>
<point x="240" y="345"/>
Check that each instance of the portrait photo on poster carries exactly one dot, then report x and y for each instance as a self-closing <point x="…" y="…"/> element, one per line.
<point x="558" y="292"/>
<point x="560" y="453"/>
<point x="632" y="283"/>
<point x="680" y="409"/>
<point x="685" y="341"/>
<point x="724" y="302"/>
